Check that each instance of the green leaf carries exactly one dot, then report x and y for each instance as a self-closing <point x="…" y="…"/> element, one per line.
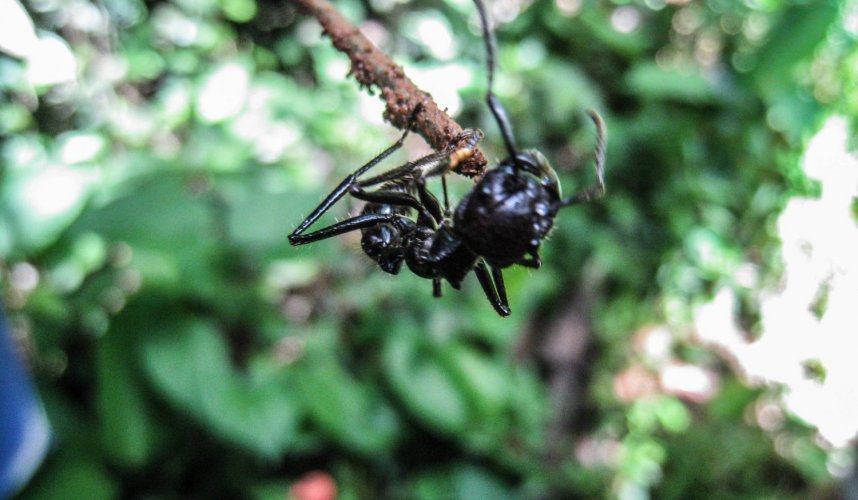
<point x="172" y="235"/>
<point x="155" y="212"/>
<point x="463" y="481"/>
<point x="481" y="378"/>
<point x="795" y="37"/>
<point x="673" y="415"/>
<point x="239" y="11"/>
<point x="651" y="81"/>
<point x="70" y="476"/>
<point x="422" y="384"/>
<point x="346" y="410"/>
<point x="260" y="217"/>
<point x="188" y="363"/>
<point x="128" y="433"/>
<point x="39" y="202"/>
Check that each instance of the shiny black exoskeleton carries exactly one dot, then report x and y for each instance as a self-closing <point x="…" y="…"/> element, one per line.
<point x="502" y="221"/>
<point x="506" y="216"/>
<point x="427" y="243"/>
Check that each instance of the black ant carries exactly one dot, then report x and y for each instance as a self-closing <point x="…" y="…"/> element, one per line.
<point x="500" y="222"/>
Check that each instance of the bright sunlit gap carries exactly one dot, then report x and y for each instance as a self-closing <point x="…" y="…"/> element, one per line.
<point x="223" y="93"/>
<point x="810" y="320"/>
<point x="55" y="191"/>
<point x="434" y="32"/>
<point x="49" y="59"/>
<point x="626" y="19"/>
<point x="443" y="83"/>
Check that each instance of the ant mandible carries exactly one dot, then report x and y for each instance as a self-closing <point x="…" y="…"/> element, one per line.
<point x="500" y="222"/>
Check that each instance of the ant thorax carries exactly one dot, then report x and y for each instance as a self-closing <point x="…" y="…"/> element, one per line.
<point x="440" y="253"/>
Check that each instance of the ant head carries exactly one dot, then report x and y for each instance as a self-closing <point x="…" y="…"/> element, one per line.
<point x="534" y="163"/>
<point x="383" y="243"/>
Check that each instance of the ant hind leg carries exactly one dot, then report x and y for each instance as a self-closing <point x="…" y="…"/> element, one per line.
<point x="495" y="290"/>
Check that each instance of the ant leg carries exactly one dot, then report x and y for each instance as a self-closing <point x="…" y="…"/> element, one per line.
<point x="504" y="124"/>
<point x="429" y="201"/>
<point x="533" y="261"/>
<point x="437" y="163"/>
<point x="491" y="99"/>
<point x="447" y="211"/>
<point x="454" y="157"/>
<point x="598" y="190"/>
<point x="352" y="224"/>
<point x="395" y="198"/>
<point x="436" y="287"/>
<point x="351" y="180"/>
<point x="460" y="149"/>
<point x="497" y="275"/>
<point x="495" y="291"/>
<point x="344" y="187"/>
<point x="430" y="164"/>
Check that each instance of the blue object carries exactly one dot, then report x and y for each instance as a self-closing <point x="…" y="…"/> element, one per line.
<point x="24" y="433"/>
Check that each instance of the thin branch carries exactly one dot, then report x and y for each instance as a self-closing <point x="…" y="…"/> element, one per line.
<point x="373" y="68"/>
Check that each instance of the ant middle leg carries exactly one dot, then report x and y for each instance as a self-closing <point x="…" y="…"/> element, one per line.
<point x="436" y="287"/>
<point x="396" y="199"/>
<point x="430" y="202"/>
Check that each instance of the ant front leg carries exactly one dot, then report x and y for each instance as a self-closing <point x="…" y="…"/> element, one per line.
<point x="341" y="190"/>
<point x="345" y="186"/>
<point x="360" y="222"/>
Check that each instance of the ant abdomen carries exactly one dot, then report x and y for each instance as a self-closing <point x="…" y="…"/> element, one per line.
<point x="506" y="216"/>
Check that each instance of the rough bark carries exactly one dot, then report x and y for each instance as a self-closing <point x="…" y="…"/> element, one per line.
<point x="373" y="69"/>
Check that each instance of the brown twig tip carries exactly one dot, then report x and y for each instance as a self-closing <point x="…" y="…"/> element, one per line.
<point x="373" y="68"/>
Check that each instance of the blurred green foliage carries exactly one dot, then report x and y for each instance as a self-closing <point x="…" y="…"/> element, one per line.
<point x="185" y="350"/>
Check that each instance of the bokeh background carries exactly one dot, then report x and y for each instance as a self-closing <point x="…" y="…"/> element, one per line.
<point x="692" y="335"/>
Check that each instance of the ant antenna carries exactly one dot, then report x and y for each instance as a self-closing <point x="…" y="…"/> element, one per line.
<point x="597" y="190"/>
<point x="601" y="147"/>
<point x="491" y="98"/>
